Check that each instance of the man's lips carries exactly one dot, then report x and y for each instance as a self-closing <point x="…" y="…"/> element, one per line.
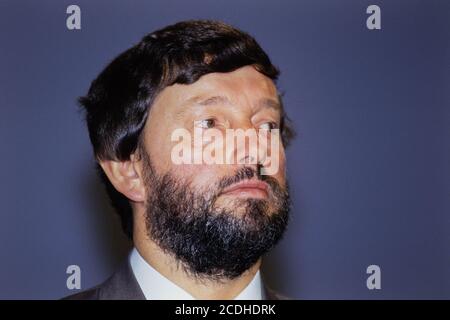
<point x="248" y="188"/>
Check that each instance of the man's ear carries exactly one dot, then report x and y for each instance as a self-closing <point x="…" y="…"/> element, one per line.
<point x="126" y="177"/>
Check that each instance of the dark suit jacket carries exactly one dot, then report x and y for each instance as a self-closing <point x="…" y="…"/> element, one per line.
<point x="122" y="285"/>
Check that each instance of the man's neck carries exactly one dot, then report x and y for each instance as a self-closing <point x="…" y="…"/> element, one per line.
<point x="167" y="266"/>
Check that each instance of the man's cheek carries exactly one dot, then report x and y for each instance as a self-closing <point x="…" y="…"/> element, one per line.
<point x="200" y="175"/>
<point x="280" y="175"/>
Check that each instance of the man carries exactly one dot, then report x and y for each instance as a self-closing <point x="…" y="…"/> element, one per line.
<point x="199" y="228"/>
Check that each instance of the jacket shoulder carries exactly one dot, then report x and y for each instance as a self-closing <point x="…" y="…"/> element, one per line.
<point x="90" y="294"/>
<point x="122" y="285"/>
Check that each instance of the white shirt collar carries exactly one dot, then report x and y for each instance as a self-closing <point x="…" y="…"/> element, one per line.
<point x="157" y="287"/>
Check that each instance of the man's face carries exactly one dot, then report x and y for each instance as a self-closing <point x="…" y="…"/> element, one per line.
<point x="241" y="99"/>
<point x="197" y="212"/>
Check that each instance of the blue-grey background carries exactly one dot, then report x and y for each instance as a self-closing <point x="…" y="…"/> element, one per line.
<point x="369" y="171"/>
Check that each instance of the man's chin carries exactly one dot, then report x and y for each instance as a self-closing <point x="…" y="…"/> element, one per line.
<point x="243" y="206"/>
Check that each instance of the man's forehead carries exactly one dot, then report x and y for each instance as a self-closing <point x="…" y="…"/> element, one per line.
<point x="225" y="89"/>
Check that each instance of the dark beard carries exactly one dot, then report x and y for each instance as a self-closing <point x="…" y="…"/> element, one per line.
<point x="213" y="243"/>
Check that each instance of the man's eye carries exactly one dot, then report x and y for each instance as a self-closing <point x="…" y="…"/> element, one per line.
<point x="207" y="123"/>
<point x="268" y="126"/>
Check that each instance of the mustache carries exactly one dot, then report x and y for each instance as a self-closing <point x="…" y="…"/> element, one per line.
<point x="246" y="173"/>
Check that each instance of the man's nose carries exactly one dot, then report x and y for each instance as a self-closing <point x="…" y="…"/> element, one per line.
<point x="245" y="138"/>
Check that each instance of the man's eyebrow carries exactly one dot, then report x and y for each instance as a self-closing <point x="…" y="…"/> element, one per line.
<point x="215" y="100"/>
<point x="202" y="101"/>
<point x="270" y="103"/>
